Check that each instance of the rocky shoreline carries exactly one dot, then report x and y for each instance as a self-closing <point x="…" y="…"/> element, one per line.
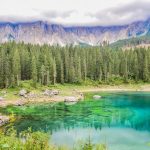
<point x="48" y="95"/>
<point x="53" y="95"/>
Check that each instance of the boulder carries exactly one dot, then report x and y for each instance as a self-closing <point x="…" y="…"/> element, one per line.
<point x="19" y="103"/>
<point x="81" y="96"/>
<point x="3" y="120"/>
<point x="22" y="92"/>
<point x="48" y="93"/>
<point x="70" y="99"/>
<point x="97" y="97"/>
<point x="55" y="92"/>
<point x="32" y="95"/>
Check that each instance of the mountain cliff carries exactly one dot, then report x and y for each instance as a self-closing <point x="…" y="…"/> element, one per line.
<point x="42" y="32"/>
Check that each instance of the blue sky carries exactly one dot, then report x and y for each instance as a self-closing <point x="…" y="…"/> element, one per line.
<point x="75" y="12"/>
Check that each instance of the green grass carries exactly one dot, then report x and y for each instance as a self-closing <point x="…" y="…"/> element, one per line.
<point x="67" y="89"/>
<point x="28" y="140"/>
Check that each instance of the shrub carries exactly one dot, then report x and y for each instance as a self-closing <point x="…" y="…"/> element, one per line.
<point x="28" y="140"/>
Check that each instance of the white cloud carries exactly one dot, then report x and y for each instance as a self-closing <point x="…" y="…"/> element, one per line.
<point x="123" y="14"/>
<point x="75" y="12"/>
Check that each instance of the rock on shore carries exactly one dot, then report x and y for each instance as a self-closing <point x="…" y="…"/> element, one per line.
<point x="96" y="97"/>
<point x="70" y="99"/>
<point x="4" y="120"/>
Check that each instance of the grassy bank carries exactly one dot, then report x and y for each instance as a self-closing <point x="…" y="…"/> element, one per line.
<point x="11" y="94"/>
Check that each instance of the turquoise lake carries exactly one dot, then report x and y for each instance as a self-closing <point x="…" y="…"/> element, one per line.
<point x="121" y="120"/>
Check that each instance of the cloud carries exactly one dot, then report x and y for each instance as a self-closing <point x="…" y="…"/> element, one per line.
<point x="123" y="14"/>
<point x="16" y="19"/>
<point x="44" y="16"/>
<point x="55" y="14"/>
<point x="76" y="12"/>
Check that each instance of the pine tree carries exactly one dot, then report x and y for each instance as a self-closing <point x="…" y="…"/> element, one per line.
<point x="145" y="69"/>
<point x="84" y="69"/>
<point x="66" y="64"/>
<point x="62" y="74"/>
<point x="125" y="70"/>
<point x="53" y="64"/>
<point x="2" y="67"/>
<point x="34" y="71"/>
<point x="54" y="73"/>
<point x="42" y="75"/>
<point x="71" y="71"/>
<point x="135" y="67"/>
<point x="16" y="68"/>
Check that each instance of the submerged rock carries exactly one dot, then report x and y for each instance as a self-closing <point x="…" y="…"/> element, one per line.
<point x="97" y="97"/>
<point x="70" y="103"/>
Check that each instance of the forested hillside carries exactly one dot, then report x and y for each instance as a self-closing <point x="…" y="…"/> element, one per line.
<point x="132" y="41"/>
<point x="49" y="65"/>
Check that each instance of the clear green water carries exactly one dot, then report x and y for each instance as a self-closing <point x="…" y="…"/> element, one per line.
<point x="121" y="120"/>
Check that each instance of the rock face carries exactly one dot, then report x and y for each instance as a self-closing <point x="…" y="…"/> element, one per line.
<point x="96" y="97"/>
<point x="42" y="32"/>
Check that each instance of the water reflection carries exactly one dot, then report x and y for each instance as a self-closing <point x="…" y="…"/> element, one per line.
<point x="115" y="138"/>
<point x="130" y="110"/>
<point x="120" y="119"/>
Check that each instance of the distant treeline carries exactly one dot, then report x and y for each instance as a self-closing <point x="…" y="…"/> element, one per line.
<point x="135" y="41"/>
<point x="53" y="64"/>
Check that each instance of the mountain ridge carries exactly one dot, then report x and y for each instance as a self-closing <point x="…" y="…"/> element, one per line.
<point x="41" y="32"/>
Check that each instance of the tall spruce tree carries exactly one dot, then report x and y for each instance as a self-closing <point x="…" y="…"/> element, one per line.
<point x="145" y="69"/>
<point x="34" y="71"/>
<point x="16" y="68"/>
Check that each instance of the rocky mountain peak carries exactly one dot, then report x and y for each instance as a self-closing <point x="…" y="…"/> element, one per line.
<point x="40" y="32"/>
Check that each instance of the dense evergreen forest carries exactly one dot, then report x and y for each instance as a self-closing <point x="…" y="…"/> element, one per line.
<point x="53" y="64"/>
<point x="135" y="41"/>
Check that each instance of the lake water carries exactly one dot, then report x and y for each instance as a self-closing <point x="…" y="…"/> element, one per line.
<point x="121" y="120"/>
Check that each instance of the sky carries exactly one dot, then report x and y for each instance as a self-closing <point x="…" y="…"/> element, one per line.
<point x="75" y="12"/>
